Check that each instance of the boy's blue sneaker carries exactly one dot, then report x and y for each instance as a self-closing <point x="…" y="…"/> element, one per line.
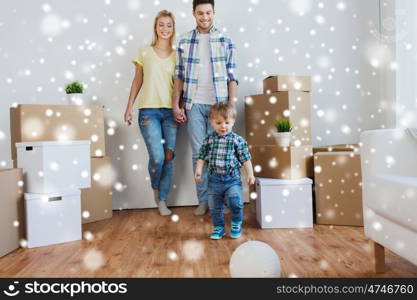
<point x="236" y="230"/>
<point x="218" y="233"/>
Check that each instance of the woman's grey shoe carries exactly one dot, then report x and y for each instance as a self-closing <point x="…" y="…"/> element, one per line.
<point x="163" y="209"/>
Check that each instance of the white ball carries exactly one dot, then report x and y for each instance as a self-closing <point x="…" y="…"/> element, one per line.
<point x="256" y="260"/>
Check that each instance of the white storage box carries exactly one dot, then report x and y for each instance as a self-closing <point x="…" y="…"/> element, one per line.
<point x="284" y="203"/>
<point x="50" y="167"/>
<point x="53" y="218"/>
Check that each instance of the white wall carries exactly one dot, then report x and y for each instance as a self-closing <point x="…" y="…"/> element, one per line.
<point x="399" y="70"/>
<point x="387" y="35"/>
<point x="406" y="79"/>
<point x="44" y="44"/>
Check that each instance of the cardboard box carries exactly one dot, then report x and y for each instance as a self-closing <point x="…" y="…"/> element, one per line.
<point x="281" y="83"/>
<point x="337" y="148"/>
<point x="284" y="203"/>
<point x="12" y="220"/>
<point x="37" y="122"/>
<point x="282" y="162"/>
<point x="96" y="202"/>
<point x="338" y="188"/>
<point x="261" y="112"/>
<point x="53" y="218"/>
<point x="53" y="167"/>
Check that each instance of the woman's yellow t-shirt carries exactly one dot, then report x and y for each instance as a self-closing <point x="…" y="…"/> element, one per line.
<point x="158" y="79"/>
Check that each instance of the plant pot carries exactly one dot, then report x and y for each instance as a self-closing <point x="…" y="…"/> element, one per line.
<point x="75" y="99"/>
<point x="282" y="139"/>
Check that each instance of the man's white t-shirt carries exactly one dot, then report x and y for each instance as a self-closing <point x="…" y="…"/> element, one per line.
<point x="205" y="93"/>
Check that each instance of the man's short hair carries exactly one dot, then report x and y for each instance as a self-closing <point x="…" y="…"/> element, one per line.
<point x="222" y="109"/>
<point x="198" y="2"/>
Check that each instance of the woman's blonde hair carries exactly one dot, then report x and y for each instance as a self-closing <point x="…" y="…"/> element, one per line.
<point x="161" y="14"/>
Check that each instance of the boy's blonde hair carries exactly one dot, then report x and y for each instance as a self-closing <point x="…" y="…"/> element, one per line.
<point x="222" y="109"/>
<point x="161" y="14"/>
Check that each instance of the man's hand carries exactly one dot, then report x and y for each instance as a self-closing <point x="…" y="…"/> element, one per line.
<point x="179" y="115"/>
<point x="232" y="92"/>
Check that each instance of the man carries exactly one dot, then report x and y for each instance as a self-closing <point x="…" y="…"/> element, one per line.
<point x="204" y="75"/>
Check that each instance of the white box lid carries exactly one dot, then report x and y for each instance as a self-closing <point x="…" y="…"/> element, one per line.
<point x="52" y="143"/>
<point x="68" y="193"/>
<point x="270" y="181"/>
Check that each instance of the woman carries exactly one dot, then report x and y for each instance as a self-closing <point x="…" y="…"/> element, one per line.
<point x="154" y="82"/>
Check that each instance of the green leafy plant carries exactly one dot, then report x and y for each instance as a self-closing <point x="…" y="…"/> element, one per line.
<point x="74" y="88"/>
<point x="283" y="125"/>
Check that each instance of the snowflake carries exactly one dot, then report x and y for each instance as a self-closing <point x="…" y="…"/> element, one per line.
<point x="193" y="250"/>
<point x="93" y="259"/>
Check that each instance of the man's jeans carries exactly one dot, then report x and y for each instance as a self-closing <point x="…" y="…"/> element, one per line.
<point x="227" y="187"/>
<point x="198" y="127"/>
<point x="159" y="131"/>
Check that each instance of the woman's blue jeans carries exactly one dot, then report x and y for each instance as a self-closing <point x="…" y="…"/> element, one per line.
<point x="159" y="131"/>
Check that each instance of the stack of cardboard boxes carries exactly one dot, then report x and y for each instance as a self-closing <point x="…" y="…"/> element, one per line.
<point x="54" y="172"/>
<point x="33" y="122"/>
<point x="283" y="97"/>
<point x="335" y="169"/>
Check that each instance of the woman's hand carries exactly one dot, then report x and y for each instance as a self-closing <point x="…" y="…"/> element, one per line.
<point x="129" y="115"/>
<point x="179" y="114"/>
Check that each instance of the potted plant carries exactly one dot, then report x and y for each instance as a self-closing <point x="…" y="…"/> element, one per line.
<point x="74" y="92"/>
<point x="283" y="134"/>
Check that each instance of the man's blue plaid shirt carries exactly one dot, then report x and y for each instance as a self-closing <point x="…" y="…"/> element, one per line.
<point x="223" y="56"/>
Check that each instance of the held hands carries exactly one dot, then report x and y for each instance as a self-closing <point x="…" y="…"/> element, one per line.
<point x="179" y="114"/>
<point x="128" y="115"/>
<point x="251" y="179"/>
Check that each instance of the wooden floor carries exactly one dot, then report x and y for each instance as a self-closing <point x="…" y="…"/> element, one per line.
<point x="140" y="243"/>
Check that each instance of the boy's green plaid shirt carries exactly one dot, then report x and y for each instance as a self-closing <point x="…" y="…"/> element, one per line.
<point x="224" y="153"/>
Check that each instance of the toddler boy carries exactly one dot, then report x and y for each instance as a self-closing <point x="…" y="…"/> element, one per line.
<point x="225" y="152"/>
